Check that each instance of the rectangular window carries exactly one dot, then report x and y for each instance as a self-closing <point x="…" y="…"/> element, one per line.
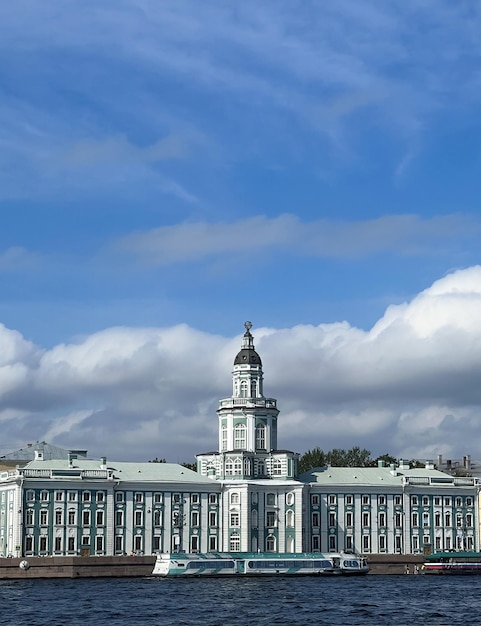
<point x="397" y="500"/>
<point x="415" y="542"/>
<point x="365" y="519"/>
<point x="100" y="496"/>
<point x="349" y="519"/>
<point x="43" y="517"/>
<point x="58" y="517"/>
<point x="332" y="519"/>
<point x="382" y="519"/>
<point x="397" y="520"/>
<point x="71" y="544"/>
<point x="315" y="543"/>
<point x="138" y="543"/>
<point x="348" y="500"/>
<point x="99" y="544"/>
<point x="194" y="518"/>
<point x="437" y="501"/>
<point x="44" y="496"/>
<point x="119" y="496"/>
<point x="271" y="499"/>
<point x="194" y="498"/>
<point x="212" y="498"/>
<point x="448" y="543"/>
<point x="85" y="540"/>
<point x="119" y="543"/>
<point x="212" y="543"/>
<point x="138" y="518"/>
<point x="28" y="544"/>
<point x="271" y="519"/>
<point x="382" y="543"/>
<point x="58" y="496"/>
<point x="366" y="543"/>
<point x="156" y="543"/>
<point x="157" y="517"/>
<point x="397" y="543"/>
<point x="194" y="543"/>
<point x="72" y="496"/>
<point x="119" y="518"/>
<point x="426" y="540"/>
<point x="100" y="518"/>
<point x="315" y="520"/>
<point x="315" y="499"/>
<point x="381" y="500"/>
<point x="469" y="502"/>
<point x="366" y="500"/>
<point x="86" y="496"/>
<point x="438" y="543"/>
<point x="332" y="543"/>
<point x="332" y="500"/>
<point x="414" y="500"/>
<point x="447" y="501"/>
<point x="157" y="498"/>
<point x="139" y="497"/>
<point x="43" y="544"/>
<point x="86" y="518"/>
<point x="212" y="518"/>
<point x="425" y="501"/>
<point x="414" y="519"/>
<point x="58" y="544"/>
<point x="71" y="518"/>
<point x="349" y="542"/>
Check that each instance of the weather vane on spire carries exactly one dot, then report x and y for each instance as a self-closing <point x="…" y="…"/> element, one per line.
<point x="248" y="326"/>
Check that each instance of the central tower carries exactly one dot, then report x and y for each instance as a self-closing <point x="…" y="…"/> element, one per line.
<point x="248" y="426"/>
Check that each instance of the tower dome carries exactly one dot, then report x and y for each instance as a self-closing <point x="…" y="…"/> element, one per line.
<point x="247" y="354"/>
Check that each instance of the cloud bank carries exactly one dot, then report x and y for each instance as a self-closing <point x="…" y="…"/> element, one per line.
<point x="409" y="385"/>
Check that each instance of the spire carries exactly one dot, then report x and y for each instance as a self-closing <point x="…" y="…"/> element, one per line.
<point x="248" y="354"/>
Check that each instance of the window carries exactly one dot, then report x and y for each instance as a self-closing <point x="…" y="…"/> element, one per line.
<point x="238" y="467"/>
<point x="71" y="544"/>
<point x="425" y="519"/>
<point x="157" y="518"/>
<point x="366" y="543"/>
<point x="366" y="500"/>
<point x="212" y="543"/>
<point x="119" y="518"/>
<point x="86" y="518"/>
<point x="332" y="543"/>
<point x="138" y="518"/>
<point x="315" y="520"/>
<point x="448" y="543"/>
<point x="71" y="517"/>
<point x="212" y="518"/>
<point x="157" y="498"/>
<point x="365" y="519"/>
<point x="415" y="543"/>
<point x="194" y="543"/>
<point x="28" y="544"/>
<point x="43" y="544"/>
<point x="438" y="543"/>
<point x="271" y="499"/>
<point x="270" y="543"/>
<point x="243" y="389"/>
<point x="290" y="499"/>
<point x="58" y="496"/>
<point x="139" y="497"/>
<point x="447" y="519"/>
<point x="156" y="544"/>
<point x="99" y="544"/>
<point x="398" y="520"/>
<point x="315" y="499"/>
<point x="234" y="543"/>
<point x="85" y="540"/>
<point x="44" y="496"/>
<point x="223" y="438"/>
<point x="437" y="501"/>
<point x="348" y="518"/>
<point x="261" y="468"/>
<point x="414" y="500"/>
<point x="229" y="467"/>
<point x="414" y="519"/>
<point x="315" y="543"/>
<point x="332" y="519"/>
<point x="469" y="519"/>
<point x="100" y="496"/>
<point x="459" y="502"/>
<point x="239" y="437"/>
<point x="348" y="500"/>
<point x="469" y="502"/>
<point x="119" y="496"/>
<point x="100" y="518"/>
<point x="261" y="437"/>
<point x="277" y="467"/>
<point x="72" y="496"/>
<point x="381" y="500"/>
<point x="271" y="519"/>
<point x="194" y="518"/>
<point x="43" y="517"/>
<point x="425" y="501"/>
<point x="212" y="498"/>
<point x="119" y="543"/>
<point x="437" y="518"/>
<point x="86" y="496"/>
<point x="29" y="517"/>
<point x="447" y="501"/>
<point x="332" y="499"/>
<point x="58" y="517"/>
<point x="349" y="542"/>
<point x="138" y="543"/>
<point x="382" y="543"/>
<point x="194" y="498"/>
<point x="290" y="519"/>
<point x="382" y="519"/>
<point x="398" y="543"/>
<point x="397" y="500"/>
<point x="426" y="540"/>
<point x="30" y="495"/>
<point x="234" y="498"/>
<point x="58" y="544"/>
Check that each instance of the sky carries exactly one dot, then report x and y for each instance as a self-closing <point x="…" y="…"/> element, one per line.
<point x="169" y="170"/>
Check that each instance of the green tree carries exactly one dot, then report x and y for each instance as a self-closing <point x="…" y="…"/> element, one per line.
<point x="387" y="458"/>
<point x="355" y="457"/>
<point x="191" y="466"/>
<point x="157" y="460"/>
<point x="311" y="459"/>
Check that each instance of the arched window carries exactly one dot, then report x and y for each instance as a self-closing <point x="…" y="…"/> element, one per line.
<point x="243" y="389"/>
<point x="224" y="438"/>
<point x="290" y="499"/>
<point x="234" y="497"/>
<point x="247" y="467"/>
<point x="254" y="519"/>
<point x="448" y="519"/>
<point x="234" y="543"/>
<point x="239" y="437"/>
<point x="238" y="467"/>
<point x="253" y="388"/>
<point x="229" y="467"/>
<point x="290" y="519"/>
<point x="260" y="437"/>
<point x="270" y="543"/>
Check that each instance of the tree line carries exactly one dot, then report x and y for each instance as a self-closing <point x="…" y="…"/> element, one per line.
<point x="338" y="457"/>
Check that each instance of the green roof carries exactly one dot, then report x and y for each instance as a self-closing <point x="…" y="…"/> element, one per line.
<point x="369" y="476"/>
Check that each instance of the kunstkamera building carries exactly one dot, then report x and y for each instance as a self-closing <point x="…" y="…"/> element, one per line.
<point x="245" y="496"/>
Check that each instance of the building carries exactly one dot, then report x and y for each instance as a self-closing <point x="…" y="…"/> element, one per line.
<point x="247" y="496"/>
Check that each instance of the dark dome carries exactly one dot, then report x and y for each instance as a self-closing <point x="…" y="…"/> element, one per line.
<point x="248" y="356"/>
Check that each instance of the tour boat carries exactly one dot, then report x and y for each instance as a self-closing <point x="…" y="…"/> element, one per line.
<point x="453" y="563"/>
<point x="259" y="564"/>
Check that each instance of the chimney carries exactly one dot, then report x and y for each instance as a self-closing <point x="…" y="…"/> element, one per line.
<point x="429" y="464"/>
<point x="381" y="463"/>
<point x="467" y="462"/>
<point x="71" y="458"/>
<point x="103" y="462"/>
<point x="440" y="461"/>
<point x="403" y="464"/>
<point x="39" y="455"/>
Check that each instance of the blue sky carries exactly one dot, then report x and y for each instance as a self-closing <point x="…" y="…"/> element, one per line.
<point x="299" y="164"/>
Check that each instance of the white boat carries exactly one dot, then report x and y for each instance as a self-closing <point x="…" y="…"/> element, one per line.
<point x="259" y="564"/>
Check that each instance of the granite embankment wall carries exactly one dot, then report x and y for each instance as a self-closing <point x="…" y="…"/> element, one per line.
<point x="77" y="567"/>
<point x="135" y="566"/>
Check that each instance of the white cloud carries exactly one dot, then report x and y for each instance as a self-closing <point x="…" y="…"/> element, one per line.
<point x="396" y="234"/>
<point x="409" y="386"/>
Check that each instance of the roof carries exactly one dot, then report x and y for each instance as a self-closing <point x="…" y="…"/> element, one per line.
<point x="49" y="452"/>
<point x="369" y="476"/>
<point x="128" y="472"/>
<point x="247" y="354"/>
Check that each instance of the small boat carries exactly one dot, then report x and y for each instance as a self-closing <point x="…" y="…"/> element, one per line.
<point x="453" y="563"/>
<point x="259" y="564"/>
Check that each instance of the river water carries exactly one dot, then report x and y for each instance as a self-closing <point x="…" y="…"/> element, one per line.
<point x="373" y="600"/>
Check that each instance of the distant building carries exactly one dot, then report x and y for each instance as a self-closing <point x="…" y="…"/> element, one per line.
<point x="247" y="496"/>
